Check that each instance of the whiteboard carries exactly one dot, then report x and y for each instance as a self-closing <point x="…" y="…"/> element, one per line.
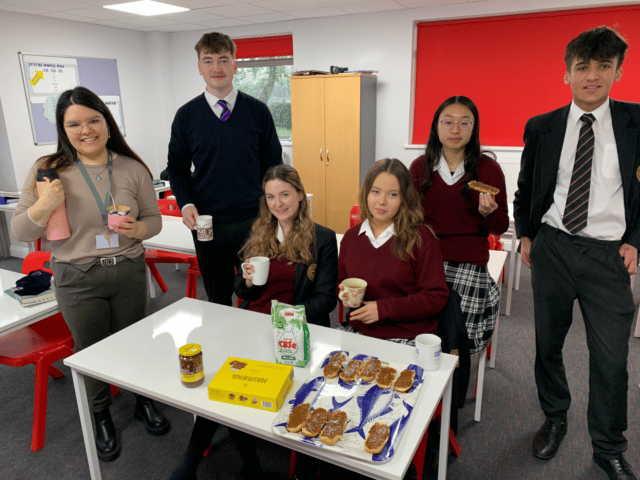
<point x="45" y="77"/>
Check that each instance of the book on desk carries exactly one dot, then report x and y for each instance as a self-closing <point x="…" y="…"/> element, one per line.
<point x="48" y="295"/>
<point x="9" y="197"/>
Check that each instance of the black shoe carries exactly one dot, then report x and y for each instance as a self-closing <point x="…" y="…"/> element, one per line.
<point x="106" y="441"/>
<point x="617" y="468"/>
<point x="548" y="438"/>
<point x="252" y="473"/>
<point x="154" y="421"/>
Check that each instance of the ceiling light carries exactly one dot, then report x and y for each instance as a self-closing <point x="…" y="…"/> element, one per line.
<point x="146" y="8"/>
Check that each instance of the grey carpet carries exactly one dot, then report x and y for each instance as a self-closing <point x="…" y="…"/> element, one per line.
<point x="498" y="447"/>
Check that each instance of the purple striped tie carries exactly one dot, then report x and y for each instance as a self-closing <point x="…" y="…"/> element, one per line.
<point x="576" y="209"/>
<point x="225" y="110"/>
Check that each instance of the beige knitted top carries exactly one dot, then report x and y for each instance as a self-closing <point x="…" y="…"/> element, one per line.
<point x="130" y="185"/>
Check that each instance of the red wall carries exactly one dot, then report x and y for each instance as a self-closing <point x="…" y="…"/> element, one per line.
<point x="512" y="67"/>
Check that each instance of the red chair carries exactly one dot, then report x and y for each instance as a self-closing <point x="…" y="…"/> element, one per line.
<point x="42" y="344"/>
<point x="167" y="207"/>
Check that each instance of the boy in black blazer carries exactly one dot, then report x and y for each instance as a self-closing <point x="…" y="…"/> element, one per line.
<point x="577" y="214"/>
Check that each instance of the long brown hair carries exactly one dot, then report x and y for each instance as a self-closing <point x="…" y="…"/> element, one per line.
<point x="410" y="215"/>
<point x="299" y="244"/>
<point x="64" y="158"/>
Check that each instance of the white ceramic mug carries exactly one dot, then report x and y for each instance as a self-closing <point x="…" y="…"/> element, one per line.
<point x="260" y="269"/>
<point x="204" y="227"/>
<point x="429" y="351"/>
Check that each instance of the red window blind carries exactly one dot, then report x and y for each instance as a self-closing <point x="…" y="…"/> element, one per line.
<point x="512" y="67"/>
<point x="257" y="47"/>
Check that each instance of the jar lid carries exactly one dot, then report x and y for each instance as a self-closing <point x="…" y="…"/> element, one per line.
<point x="189" y="349"/>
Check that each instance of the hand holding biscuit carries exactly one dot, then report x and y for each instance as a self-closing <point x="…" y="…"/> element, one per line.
<point x="487" y="204"/>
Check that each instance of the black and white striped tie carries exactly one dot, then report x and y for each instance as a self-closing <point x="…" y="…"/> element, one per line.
<point x="575" y="211"/>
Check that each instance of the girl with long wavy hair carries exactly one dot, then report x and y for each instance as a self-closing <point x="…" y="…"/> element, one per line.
<point x="397" y="255"/>
<point x="463" y="218"/>
<point x="303" y="270"/>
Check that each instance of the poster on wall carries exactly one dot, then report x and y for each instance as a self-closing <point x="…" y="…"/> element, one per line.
<point x="45" y="77"/>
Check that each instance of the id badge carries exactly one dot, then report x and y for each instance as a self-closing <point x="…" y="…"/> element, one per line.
<point x="104" y="241"/>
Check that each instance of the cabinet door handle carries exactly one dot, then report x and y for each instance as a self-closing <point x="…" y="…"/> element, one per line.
<point x="327" y="156"/>
<point x="320" y="154"/>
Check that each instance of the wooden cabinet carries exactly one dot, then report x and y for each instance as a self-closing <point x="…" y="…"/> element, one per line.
<point x="333" y="129"/>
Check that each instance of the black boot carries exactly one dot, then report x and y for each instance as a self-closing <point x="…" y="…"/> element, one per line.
<point x="201" y="436"/>
<point x="106" y="441"/>
<point x="154" y="421"/>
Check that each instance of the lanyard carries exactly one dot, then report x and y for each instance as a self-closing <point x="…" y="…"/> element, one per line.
<point x="101" y="205"/>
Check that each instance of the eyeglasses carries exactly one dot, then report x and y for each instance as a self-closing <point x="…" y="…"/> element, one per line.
<point x="93" y="123"/>
<point x="465" y="125"/>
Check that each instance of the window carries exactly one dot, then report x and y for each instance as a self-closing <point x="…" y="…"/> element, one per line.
<point x="264" y="67"/>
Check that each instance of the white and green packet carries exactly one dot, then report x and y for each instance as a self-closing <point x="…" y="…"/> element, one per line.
<point x="290" y="334"/>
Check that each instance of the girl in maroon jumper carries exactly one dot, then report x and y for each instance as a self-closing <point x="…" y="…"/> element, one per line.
<point x="463" y="218"/>
<point x="398" y="257"/>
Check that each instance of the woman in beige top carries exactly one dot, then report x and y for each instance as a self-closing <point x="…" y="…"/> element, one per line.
<point x="99" y="273"/>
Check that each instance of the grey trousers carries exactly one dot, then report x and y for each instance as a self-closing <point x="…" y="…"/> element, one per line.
<point x="98" y="301"/>
<point x="565" y="268"/>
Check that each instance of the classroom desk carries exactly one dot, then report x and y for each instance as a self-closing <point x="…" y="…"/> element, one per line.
<point x="143" y="358"/>
<point x="14" y="317"/>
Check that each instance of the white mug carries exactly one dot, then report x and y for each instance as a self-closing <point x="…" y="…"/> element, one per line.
<point x="429" y="351"/>
<point x="260" y="269"/>
<point x="204" y="227"/>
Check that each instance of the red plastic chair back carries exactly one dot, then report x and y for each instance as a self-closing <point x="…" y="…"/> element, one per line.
<point x="355" y="216"/>
<point x="169" y="207"/>
<point x="36" y="261"/>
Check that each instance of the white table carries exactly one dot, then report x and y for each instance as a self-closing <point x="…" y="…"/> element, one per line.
<point x="143" y="358"/>
<point x="13" y="316"/>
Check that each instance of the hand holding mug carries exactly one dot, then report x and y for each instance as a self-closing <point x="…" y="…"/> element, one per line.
<point x="247" y="271"/>
<point x="352" y="292"/>
<point x="51" y="194"/>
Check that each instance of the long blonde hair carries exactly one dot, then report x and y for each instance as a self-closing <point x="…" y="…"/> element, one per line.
<point x="410" y="215"/>
<point x="299" y="244"/>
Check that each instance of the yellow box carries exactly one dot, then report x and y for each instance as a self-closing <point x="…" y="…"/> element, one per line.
<point x="251" y="383"/>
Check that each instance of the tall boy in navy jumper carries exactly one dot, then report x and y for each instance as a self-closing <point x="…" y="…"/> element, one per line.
<point x="230" y="139"/>
<point x="577" y="212"/>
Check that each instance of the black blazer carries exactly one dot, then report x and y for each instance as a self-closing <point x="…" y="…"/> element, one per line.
<point x="543" y="139"/>
<point x="318" y="293"/>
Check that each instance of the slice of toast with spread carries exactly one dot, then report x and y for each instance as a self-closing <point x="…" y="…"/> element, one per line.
<point x="333" y="367"/>
<point x="385" y="377"/>
<point x="376" y="438"/>
<point x="315" y="422"/>
<point x="370" y="370"/>
<point x="404" y="381"/>
<point x="298" y="417"/>
<point x="483" y="187"/>
<point x="334" y="428"/>
<point x="351" y="371"/>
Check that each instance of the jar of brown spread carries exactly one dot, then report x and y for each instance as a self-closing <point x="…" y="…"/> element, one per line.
<point x="191" y="367"/>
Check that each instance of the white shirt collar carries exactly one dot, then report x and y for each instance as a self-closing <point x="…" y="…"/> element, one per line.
<point x="280" y="234"/>
<point x="212" y="100"/>
<point x="388" y="233"/>
<point x="575" y="112"/>
<point x="442" y="167"/>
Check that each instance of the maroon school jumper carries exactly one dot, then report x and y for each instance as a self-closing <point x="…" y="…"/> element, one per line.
<point x="279" y="286"/>
<point x="461" y="230"/>
<point x="408" y="292"/>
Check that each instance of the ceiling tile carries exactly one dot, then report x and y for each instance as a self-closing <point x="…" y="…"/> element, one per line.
<point x="20" y="9"/>
<point x="46" y="5"/>
<point x="65" y="16"/>
<point x="379" y="6"/>
<point x="143" y="21"/>
<point x="318" y="12"/>
<point x="193" y="16"/>
<point x="428" y="3"/>
<point x="238" y="10"/>
<point x="193" y="4"/>
<point x="223" y="22"/>
<point x="287" y="5"/>
<point x="98" y="13"/>
<point x="178" y="27"/>
<point x="269" y="17"/>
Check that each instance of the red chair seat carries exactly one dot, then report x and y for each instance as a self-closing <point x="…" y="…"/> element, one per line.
<point x="42" y="344"/>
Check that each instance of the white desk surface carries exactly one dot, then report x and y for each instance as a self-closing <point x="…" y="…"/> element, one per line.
<point x="144" y="359"/>
<point x="174" y="237"/>
<point x="14" y="317"/>
<point x="8" y="207"/>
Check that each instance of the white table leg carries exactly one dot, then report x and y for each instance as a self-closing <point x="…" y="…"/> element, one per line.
<point x="494" y="344"/>
<point x="512" y="263"/>
<point x="637" y="332"/>
<point x="152" y="287"/>
<point x="445" y="422"/>
<point x="480" y="388"/>
<point x="518" y="271"/>
<point x="85" y="422"/>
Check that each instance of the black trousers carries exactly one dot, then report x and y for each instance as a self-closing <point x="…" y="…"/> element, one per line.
<point x="564" y="268"/>
<point x="218" y="258"/>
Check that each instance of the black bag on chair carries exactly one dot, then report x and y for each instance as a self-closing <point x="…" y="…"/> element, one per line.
<point x="453" y="333"/>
